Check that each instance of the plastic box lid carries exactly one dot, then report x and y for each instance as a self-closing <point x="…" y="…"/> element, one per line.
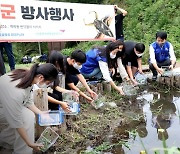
<point x="47" y="138"/>
<point x="51" y="118"/>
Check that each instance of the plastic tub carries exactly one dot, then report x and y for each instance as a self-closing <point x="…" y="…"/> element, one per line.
<point x="141" y="78"/>
<point x="50" y="118"/>
<point x="74" y="107"/>
<point x="47" y="138"/>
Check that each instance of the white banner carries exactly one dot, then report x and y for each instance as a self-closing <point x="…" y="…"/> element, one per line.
<point x="44" y="21"/>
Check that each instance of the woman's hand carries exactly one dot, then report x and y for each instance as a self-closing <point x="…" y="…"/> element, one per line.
<point x="35" y="146"/>
<point x="65" y="107"/>
<point x="120" y="90"/>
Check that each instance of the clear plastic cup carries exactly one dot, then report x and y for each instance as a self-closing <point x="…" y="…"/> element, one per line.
<point x="47" y="138"/>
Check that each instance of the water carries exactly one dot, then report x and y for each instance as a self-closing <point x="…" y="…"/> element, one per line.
<point x="160" y="111"/>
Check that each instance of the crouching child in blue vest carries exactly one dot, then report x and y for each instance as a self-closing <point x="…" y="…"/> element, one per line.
<point x="161" y="54"/>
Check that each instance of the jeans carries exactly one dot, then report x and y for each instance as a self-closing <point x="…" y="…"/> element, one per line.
<point x="2" y="67"/>
<point x="96" y="74"/>
<point x="8" y="48"/>
<point x="165" y="63"/>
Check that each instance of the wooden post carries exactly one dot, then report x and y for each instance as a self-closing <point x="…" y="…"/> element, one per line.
<point x="41" y="101"/>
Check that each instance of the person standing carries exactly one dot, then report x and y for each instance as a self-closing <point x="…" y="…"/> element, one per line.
<point x="161" y="54"/>
<point x="7" y="46"/>
<point x="133" y="58"/>
<point x="119" y="22"/>
<point x="2" y="67"/>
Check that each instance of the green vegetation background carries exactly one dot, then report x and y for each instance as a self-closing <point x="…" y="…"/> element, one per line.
<point x="144" y="19"/>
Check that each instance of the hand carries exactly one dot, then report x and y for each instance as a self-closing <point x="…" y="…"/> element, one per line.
<point x="134" y="82"/>
<point x="75" y="95"/>
<point x="35" y="146"/>
<point x="89" y="99"/>
<point x="171" y="67"/>
<point x="160" y="70"/>
<point x="140" y="71"/>
<point x="65" y="107"/>
<point x="120" y="91"/>
<point x="115" y="6"/>
<point x="93" y="94"/>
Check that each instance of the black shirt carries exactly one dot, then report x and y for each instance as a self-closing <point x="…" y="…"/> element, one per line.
<point x="130" y="58"/>
<point x="119" y="25"/>
<point x="70" y="70"/>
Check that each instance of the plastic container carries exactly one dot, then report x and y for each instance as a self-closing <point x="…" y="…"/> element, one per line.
<point x="74" y="107"/>
<point x="141" y="78"/>
<point x="98" y="102"/>
<point x="50" y="118"/>
<point x="70" y="97"/>
<point x="129" y="89"/>
<point x="47" y="138"/>
<point x="167" y="72"/>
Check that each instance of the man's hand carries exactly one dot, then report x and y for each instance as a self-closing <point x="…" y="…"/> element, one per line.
<point x="92" y="93"/>
<point x="160" y="70"/>
<point x="171" y="67"/>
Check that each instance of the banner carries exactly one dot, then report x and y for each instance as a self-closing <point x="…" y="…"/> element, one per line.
<point x="45" y="21"/>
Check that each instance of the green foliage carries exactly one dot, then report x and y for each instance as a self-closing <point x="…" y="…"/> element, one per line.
<point x="145" y="18"/>
<point x="84" y="46"/>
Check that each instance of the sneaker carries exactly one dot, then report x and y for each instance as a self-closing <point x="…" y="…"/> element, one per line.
<point x="154" y="78"/>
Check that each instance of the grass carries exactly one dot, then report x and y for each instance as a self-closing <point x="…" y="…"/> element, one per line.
<point x="24" y="66"/>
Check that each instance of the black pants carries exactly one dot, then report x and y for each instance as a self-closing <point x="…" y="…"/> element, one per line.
<point x="56" y="95"/>
<point x="165" y="63"/>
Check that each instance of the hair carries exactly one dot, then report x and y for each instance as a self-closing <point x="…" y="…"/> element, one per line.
<point x="115" y="10"/>
<point x="78" y="56"/>
<point x="140" y="47"/>
<point x="55" y="58"/>
<point x="27" y="76"/>
<point x="105" y="52"/>
<point x="112" y="63"/>
<point x="161" y="34"/>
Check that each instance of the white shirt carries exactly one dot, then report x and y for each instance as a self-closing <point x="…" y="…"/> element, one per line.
<point x="105" y="71"/>
<point x="152" y="53"/>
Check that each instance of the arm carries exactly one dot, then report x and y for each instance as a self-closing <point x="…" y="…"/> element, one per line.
<point x="139" y="61"/>
<point x="23" y="134"/>
<point x="122" y="69"/>
<point x="34" y="109"/>
<point x="105" y="71"/>
<point x="83" y="81"/>
<point x="60" y="89"/>
<point x="73" y="87"/>
<point x="64" y="105"/>
<point x="172" y="57"/>
<point x="124" y="12"/>
<point x="129" y="71"/>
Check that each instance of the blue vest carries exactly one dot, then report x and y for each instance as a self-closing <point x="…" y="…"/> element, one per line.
<point x="92" y="58"/>
<point x="161" y="53"/>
